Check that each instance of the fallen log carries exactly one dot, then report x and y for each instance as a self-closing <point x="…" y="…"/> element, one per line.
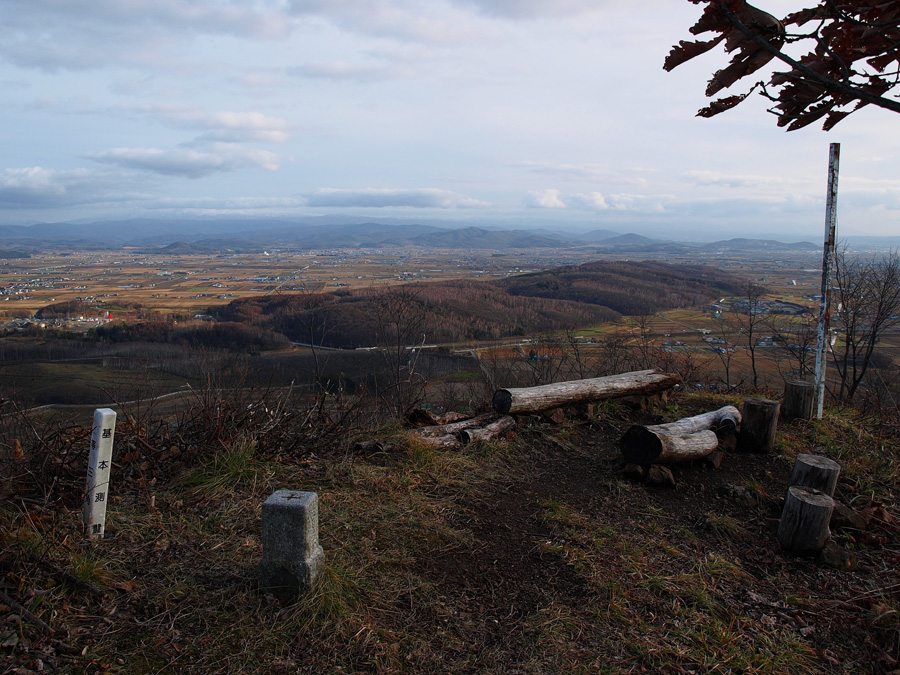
<point x="456" y="427"/>
<point x="547" y="396"/>
<point x="642" y="446"/>
<point x="369" y="446"/>
<point x="448" y="442"/>
<point x="488" y="432"/>
<point x="681" y="441"/>
<point x="420" y="417"/>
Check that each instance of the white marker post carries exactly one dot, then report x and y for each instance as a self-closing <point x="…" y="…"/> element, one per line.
<point x="96" y="491"/>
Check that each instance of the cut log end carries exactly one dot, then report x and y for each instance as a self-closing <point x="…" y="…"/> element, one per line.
<point x="502" y="401"/>
<point x="640" y="446"/>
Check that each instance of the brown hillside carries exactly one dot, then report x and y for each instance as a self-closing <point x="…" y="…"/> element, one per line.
<point x="558" y="299"/>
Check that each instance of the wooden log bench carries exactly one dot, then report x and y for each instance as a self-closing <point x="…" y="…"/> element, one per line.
<point x="548" y="396"/>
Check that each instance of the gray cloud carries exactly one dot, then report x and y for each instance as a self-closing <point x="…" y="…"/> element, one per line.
<point x="79" y="34"/>
<point x="30" y="185"/>
<point x="719" y="179"/>
<point x="597" y="201"/>
<point x="544" y="199"/>
<point x="567" y="171"/>
<point x="225" y="126"/>
<point x="189" y="163"/>
<point x="532" y="9"/>
<point x="424" y="198"/>
<point x="591" y="201"/>
<point x="215" y="205"/>
<point x="858" y="194"/>
<point x="340" y="71"/>
<point x="35" y="187"/>
<point x="88" y="34"/>
<point x="404" y="20"/>
<point x="219" y="149"/>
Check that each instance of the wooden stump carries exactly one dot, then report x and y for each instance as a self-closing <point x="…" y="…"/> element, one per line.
<point x="798" y="400"/>
<point x="759" y="420"/>
<point x="804" y="522"/>
<point x="816" y="472"/>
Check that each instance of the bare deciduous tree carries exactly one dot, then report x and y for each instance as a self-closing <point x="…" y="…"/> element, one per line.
<point x="797" y="341"/>
<point x="725" y="347"/>
<point x="399" y="321"/>
<point x="748" y="313"/>
<point x="867" y="304"/>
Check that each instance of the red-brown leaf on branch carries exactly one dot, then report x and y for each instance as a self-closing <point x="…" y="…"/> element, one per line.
<point x="685" y="51"/>
<point x="879" y="63"/>
<point x="712" y="19"/>
<point x="834" y="117"/>
<point x="744" y="63"/>
<point x="850" y="43"/>
<point x="722" y="104"/>
<point x="804" y="16"/>
<point x="814" y="113"/>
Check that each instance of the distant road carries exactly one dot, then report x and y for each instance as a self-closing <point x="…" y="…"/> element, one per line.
<point x="118" y="404"/>
<point x="306" y="344"/>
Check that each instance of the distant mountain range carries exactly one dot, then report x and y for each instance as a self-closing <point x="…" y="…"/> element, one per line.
<point x="332" y="232"/>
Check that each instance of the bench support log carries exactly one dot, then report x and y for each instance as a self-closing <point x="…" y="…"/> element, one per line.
<point x="545" y="397"/>
<point x="684" y="440"/>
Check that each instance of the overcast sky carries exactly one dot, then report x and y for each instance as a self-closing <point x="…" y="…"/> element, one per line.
<point x="553" y="112"/>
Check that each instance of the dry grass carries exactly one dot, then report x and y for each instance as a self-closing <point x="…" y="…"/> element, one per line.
<point x="523" y="556"/>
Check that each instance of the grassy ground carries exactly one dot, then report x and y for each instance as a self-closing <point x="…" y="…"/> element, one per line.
<point x="527" y="555"/>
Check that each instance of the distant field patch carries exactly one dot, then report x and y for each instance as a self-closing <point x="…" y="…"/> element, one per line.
<point x="83" y="383"/>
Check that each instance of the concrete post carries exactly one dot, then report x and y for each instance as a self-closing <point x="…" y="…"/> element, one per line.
<point x="96" y="490"/>
<point x="292" y="556"/>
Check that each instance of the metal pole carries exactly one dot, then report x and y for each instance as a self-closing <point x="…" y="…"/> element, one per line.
<point x="834" y="156"/>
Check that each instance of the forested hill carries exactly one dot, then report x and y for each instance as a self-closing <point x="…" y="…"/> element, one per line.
<point x="562" y="298"/>
<point x="631" y="288"/>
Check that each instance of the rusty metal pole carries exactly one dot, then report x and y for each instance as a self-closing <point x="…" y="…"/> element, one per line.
<point x="834" y="157"/>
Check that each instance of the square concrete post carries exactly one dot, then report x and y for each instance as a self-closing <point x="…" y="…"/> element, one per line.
<point x="292" y="557"/>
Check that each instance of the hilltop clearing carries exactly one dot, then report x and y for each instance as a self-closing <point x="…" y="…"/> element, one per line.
<point x="527" y="555"/>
